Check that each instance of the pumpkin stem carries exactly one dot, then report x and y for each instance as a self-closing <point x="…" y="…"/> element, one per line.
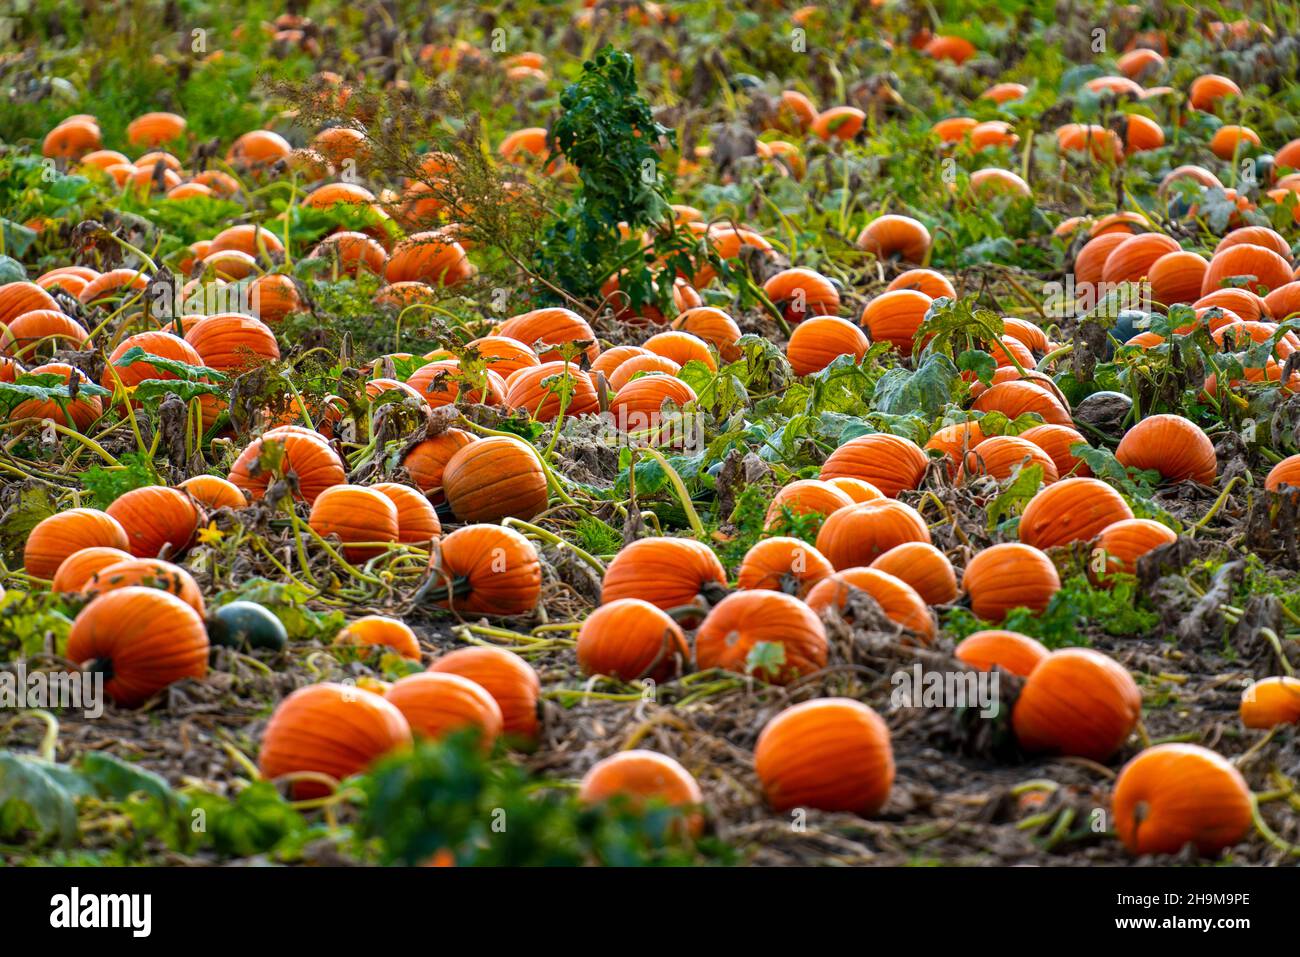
<point x="1267" y="833"/>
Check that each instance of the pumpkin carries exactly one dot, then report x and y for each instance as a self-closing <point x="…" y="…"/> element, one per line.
<point x="1270" y="702"/>
<point x="258" y="148"/>
<point x="895" y="317"/>
<point x="954" y="129"/>
<point x="986" y="184"/>
<point x="1013" y="399"/>
<point x="1076" y="702"/>
<point x="1120" y="545"/>
<point x="246" y="624"/>
<point x="889" y="462"/>
<point x="273" y="297"/>
<point x="535" y="390"/>
<point x="630" y="639"/>
<point x="504" y="355"/>
<point x="417" y="522"/>
<point x="1257" y="236"/>
<point x="681" y="347"/>
<point x="306" y="454"/>
<point x="1096" y="141"/>
<point x="1206" y="91"/>
<point x="248" y="238"/>
<point x="19" y="298"/>
<point x="713" y="326"/>
<point x="351" y="253"/>
<point x="923" y="567"/>
<point x="1177" y="277"/>
<point x="429" y="257"/>
<point x="493" y="478"/>
<point x="1285" y="473"/>
<point x="1056" y="441"/>
<point x="637" y="405"/>
<point x="856" y="489"/>
<point x="149" y="573"/>
<point x="783" y="564"/>
<point x="1132" y="259"/>
<point x="155" y="343"/>
<point x="141" y="640"/>
<point x="546" y="329"/>
<point x="933" y="284"/>
<point x="62" y="534"/>
<point x="510" y="680"/>
<point x="329" y="729"/>
<point x="1142" y="134"/>
<point x="230" y="342"/>
<point x="831" y="754"/>
<point x="1264" y="267"/>
<point x="213" y="492"/>
<point x="29" y="332"/>
<point x="71" y="139"/>
<point x="75" y="570"/>
<point x="985" y="650"/>
<point x="1090" y="264"/>
<point x="857" y="535"/>
<point x="78" y="413"/>
<point x="800" y="293"/>
<point x="611" y="359"/>
<point x="805" y="497"/>
<point x="896" y="598"/>
<point x="1071" y="510"/>
<point x="1284" y="301"/>
<point x="768" y="634"/>
<point x="436" y="704"/>
<point x="1001" y="456"/>
<point x="993" y="133"/>
<point x="1172" y="795"/>
<point x="1231" y="140"/>
<point x="426" y="461"/>
<point x="839" y="122"/>
<point x="154" y="129"/>
<point x="667" y="572"/>
<point x="633" y="366"/>
<point x="355" y="513"/>
<point x="819" y="341"/>
<point x="1027" y="334"/>
<point x="441" y="383"/>
<point x="1009" y="575"/>
<point x="486" y="570"/>
<point x="379" y="630"/>
<point x="1171" y="445"/>
<point x="158" y="520"/>
<point x="638" y="777"/>
<point x="954" y="441"/>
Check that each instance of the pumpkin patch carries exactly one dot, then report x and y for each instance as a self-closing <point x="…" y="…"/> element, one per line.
<point x="568" y="434"/>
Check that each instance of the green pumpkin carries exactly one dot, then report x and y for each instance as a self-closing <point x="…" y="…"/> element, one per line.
<point x="243" y="624"/>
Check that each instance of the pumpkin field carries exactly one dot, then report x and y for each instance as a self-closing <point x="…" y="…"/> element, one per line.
<point x="609" y="432"/>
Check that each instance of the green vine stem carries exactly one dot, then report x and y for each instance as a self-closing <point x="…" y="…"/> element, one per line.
<point x="678" y="485"/>
<point x="1214" y="509"/>
<point x="555" y="540"/>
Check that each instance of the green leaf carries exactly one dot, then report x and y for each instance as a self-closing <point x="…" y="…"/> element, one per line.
<point x="38" y="796"/>
<point x="182" y="369"/>
<point x="927" y="390"/>
<point x="1012" y="499"/>
<point x="108" y="485"/>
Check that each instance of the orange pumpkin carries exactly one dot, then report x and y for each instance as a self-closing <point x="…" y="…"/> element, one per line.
<point x="856" y="535"/>
<point x="510" y="680"/>
<point x="159" y="521"/>
<point x="213" y="492"/>
<point x="41" y="330"/>
<point x="536" y="390"/>
<point x="1131" y="260"/>
<point x="1003" y="455"/>
<point x="896" y="598"/>
<point x="895" y="317"/>
<point x="773" y="636"/>
<point x="493" y="478"/>
<point x="1172" y="795"/>
<point x="78" y="413"/>
<point x="1056" y="441"/>
<point x="355" y="513"/>
<point x="933" y="284"/>
<point x="985" y="650"/>
<point x="923" y="567"/>
<point x="62" y="534"/>
<point x="783" y="564"/>
<point x="667" y="572"/>
<point x="1071" y="510"/>
<point x="141" y="640"/>
<point x="75" y="570"/>
<point x="1171" y="445"/>
<point x="800" y="293"/>
<point x="1266" y="269"/>
<point x="646" y="363"/>
<point x="820" y="340"/>
<point x="831" y="754"/>
<point x="805" y="497"/>
<point x="630" y="639"/>
<point x="1270" y="702"/>
<point x="1013" y="399"/>
<point x="1009" y="575"/>
<point x="637" y="405"/>
<point x="1285" y="473"/>
<point x="149" y="573"/>
<point x="638" y="777"/>
<point x="889" y="462"/>
<point x="427" y="459"/>
<point x="231" y="342"/>
<point x="713" y="326"/>
<point x="544" y="330"/>
<point x="486" y="570"/>
<point x="1120" y="545"/>
<point x="437" y="703"/>
<point x="329" y="729"/>
<point x="417" y="522"/>
<point x="303" y="453"/>
<point x="380" y="631"/>
<point x="1077" y="702"/>
<point x="504" y="355"/>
